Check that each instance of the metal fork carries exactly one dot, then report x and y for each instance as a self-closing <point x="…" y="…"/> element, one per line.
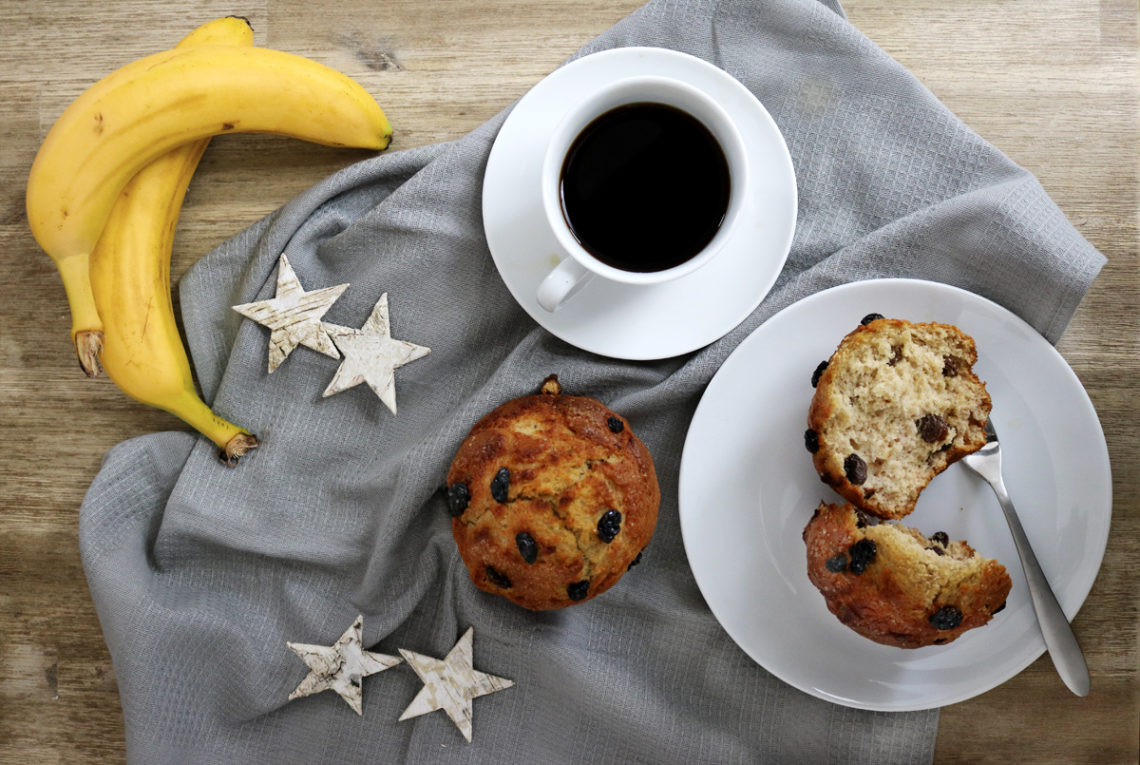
<point x="1059" y="637"/>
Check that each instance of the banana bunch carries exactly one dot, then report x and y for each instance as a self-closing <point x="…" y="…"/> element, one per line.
<point x="106" y="188"/>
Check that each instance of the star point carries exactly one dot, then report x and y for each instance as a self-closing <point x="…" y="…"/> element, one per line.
<point x="293" y="316"/>
<point x="340" y="667"/>
<point x="371" y="356"/>
<point x="451" y="683"/>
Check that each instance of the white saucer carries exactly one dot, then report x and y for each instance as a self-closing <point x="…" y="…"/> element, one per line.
<point x="634" y="322"/>
<point x="745" y="450"/>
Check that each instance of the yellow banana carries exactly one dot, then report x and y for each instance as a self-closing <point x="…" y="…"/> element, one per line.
<point x="152" y="105"/>
<point x="130" y="279"/>
<point x="228" y="30"/>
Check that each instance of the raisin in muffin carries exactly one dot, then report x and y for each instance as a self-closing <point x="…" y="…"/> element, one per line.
<point x="552" y="499"/>
<point x="895" y="586"/>
<point x="894" y="406"/>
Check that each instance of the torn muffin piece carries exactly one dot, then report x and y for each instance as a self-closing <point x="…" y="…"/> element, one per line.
<point x="893" y="585"/>
<point x="895" y="405"/>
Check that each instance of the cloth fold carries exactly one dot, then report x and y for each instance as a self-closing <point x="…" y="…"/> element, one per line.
<point x="200" y="574"/>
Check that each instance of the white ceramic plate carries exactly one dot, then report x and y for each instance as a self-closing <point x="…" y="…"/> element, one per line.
<point x="748" y="488"/>
<point x="623" y="321"/>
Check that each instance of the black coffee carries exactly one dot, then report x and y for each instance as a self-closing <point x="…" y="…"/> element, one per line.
<point x="645" y="187"/>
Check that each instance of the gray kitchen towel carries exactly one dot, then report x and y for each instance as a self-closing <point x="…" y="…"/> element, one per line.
<point x="201" y="573"/>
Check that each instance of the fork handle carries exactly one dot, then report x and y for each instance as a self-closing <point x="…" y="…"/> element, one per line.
<point x="1059" y="638"/>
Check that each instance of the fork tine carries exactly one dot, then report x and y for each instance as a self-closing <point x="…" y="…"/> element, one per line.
<point x="991" y="432"/>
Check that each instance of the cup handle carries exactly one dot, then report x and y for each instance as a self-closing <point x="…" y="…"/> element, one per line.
<point x="568" y="277"/>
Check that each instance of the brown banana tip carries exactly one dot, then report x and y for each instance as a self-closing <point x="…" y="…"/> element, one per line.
<point x="236" y="448"/>
<point x="88" y="346"/>
<point x="248" y="23"/>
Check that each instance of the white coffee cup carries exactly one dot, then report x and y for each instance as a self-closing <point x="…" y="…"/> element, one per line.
<point x="578" y="265"/>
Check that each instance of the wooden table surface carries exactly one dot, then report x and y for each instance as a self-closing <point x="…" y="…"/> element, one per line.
<point x="1053" y="83"/>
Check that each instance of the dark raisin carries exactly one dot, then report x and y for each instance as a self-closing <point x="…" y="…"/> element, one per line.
<point x="862" y="555"/>
<point x="896" y="355"/>
<point x="458" y="495"/>
<point x="811" y="440"/>
<point x="950" y="366"/>
<point x="946" y="618"/>
<point x="932" y="428"/>
<point x="609" y="525"/>
<point x="836" y="563"/>
<point x="940" y="537"/>
<point x="528" y="549"/>
<point x="939" y="641"/>
<point x="999" y="608"/>
<point x="501" y="484"/>
<point x="862" y="520"/>
<point x="578" y="590"/>
<point x="855" y="469"/>
<point x="498" y="578"/>
<point x="870" y="318"/>
<point x="615" y="425"/>
<point x="936" y="550"/>
<point x="818" y="373"/>
<point x="635" y="561"/>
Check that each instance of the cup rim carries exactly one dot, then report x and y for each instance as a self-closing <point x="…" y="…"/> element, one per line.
<point x="579" y="116"/>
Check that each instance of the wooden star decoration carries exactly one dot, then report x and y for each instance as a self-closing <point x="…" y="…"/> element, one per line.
<point x="451" y="684"/>
<point x="372" y="356"/>
<point x="340" y="667"/>
<point x="294" y="316"/>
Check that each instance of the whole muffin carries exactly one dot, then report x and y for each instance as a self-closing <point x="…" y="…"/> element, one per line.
<point x="891" y="584"/>
<point x="895" y="405"/>
<point x="552" y="499"/>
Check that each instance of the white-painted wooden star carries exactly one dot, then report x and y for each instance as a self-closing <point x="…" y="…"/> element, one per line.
<point x="372" y="356"/>
<point x="340" y="667"/>
<point x="294" y="316"/>
<point x="451" y="684"/>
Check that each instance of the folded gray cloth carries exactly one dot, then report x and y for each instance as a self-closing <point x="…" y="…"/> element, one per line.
<point x="201" y="573"/>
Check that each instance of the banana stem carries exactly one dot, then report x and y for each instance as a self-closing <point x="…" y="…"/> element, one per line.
<point x="232" y="440"/>
<point x="88" y="346"/>
<point x="236" y="448"/>
<point x="85" y="319"/>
